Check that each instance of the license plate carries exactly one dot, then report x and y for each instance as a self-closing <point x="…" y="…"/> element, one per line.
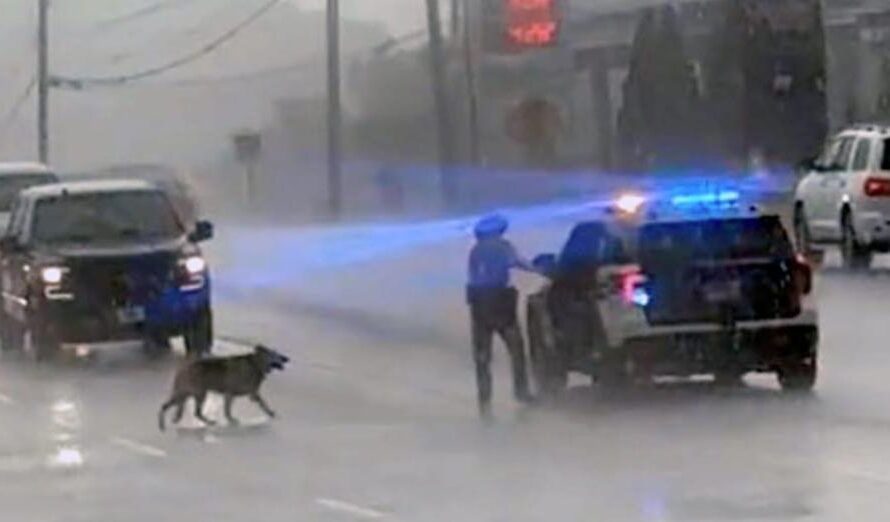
<point x="723" y="292"/>
<point x="131" y="315"/>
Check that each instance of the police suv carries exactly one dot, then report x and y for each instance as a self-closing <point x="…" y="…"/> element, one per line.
<point x="696" y="285"/>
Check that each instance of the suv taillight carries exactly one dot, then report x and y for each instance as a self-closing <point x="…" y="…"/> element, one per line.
<point x="877" y="187"/>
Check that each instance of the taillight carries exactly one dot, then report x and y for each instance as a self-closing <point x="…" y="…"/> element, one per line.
<point x="632" y="285"/>
<point x="877" y="187"/>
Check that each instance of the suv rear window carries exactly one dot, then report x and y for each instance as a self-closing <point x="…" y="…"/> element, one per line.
<point x="721" y="239"/>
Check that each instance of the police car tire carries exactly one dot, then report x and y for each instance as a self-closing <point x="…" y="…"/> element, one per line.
<point x="551" y="375"/>
<point x="798" y="377"/>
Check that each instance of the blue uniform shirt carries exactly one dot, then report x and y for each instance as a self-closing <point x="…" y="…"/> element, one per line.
<point x="490" y="263"/>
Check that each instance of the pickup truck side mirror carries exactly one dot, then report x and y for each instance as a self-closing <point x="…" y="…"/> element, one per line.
<point x="203" y="232"/>
<point x="545" y="264"/>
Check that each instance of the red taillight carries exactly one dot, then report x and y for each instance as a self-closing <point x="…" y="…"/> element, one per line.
<point x="877" y="187"/>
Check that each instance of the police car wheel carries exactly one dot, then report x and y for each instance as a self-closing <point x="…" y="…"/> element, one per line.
<point x="798" y="377"/>
<point x="550" y="374"/>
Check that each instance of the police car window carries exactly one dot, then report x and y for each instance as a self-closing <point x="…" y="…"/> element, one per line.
<point x="591" y="244"/>
<point x="716" y="239"/>
<point x="861" y="156"/>
<point x="13" y="228"/>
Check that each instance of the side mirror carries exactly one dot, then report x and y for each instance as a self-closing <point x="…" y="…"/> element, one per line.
<point x="545" y="264"/>
<point x="203" y="232"/>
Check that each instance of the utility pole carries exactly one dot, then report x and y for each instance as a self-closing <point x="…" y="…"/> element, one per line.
<point x="440" y="95"/>
<point x="335" y="116"/>
<point x="472" y="92"/>
<point x="43" y="80"/>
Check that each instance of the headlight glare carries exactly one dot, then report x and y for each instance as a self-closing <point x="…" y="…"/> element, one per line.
<point x="195" y="265"/>
<point x="52" y="275"/>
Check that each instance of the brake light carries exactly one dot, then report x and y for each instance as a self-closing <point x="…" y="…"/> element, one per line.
<point x="877" y="187"/>
<point x="633" y="290"/>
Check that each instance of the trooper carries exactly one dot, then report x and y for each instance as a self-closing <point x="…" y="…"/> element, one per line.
<point x="493" y="302"/>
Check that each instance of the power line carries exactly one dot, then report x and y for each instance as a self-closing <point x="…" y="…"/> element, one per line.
<point x="84" y="82"/>
<point x="142" y="12"/>
<point x="13" y="113"/>
<point x="271" y="72"/>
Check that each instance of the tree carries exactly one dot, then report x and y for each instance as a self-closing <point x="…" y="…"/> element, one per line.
<point x="656" y="126"/>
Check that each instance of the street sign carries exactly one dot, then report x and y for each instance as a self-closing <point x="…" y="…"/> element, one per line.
<point x="514" y="26"/>
<point x="248" y="146"/>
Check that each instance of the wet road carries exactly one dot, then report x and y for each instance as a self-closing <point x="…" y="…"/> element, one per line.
<point x="377" y="419"/>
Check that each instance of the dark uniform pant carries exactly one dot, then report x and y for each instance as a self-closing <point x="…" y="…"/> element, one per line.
<point x="493" y="311"/>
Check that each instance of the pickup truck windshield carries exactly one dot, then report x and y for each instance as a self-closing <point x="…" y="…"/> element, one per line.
<point x="10" y="186"/>
<point x="111" y="217"/>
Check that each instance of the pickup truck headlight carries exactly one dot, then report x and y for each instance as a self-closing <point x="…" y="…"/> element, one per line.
<point x="194" y="265"/>
<point x="53" y="275"/>
<point x="193" y="270"/>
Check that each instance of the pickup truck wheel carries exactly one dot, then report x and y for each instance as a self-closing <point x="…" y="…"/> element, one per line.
<point x="798" y="377"/>
<point x="12" y="334"/>
<point x="44" y="342"/>
<point x="855" y="256"/>
<point x="199" y="334"/>
<point x="156" y="345"/>
<point x="550" y="373"/>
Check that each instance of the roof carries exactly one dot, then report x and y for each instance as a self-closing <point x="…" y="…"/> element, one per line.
<point x="88" y="187"/>
<point x="23" y="168"/>
<point x="867" y="128"/>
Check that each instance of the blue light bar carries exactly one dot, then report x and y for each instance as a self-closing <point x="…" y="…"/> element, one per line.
<point x="707" y="198"/>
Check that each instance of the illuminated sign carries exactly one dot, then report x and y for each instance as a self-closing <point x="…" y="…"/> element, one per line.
<point x="532" y="23"/>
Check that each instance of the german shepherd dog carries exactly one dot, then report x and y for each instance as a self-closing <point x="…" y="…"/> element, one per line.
<point x="231" y="377"/>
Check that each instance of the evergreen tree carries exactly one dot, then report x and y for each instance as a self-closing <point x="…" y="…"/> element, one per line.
<point x="656" y="123"/>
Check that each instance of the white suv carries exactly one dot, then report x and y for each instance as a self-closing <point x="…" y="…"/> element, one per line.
<point x="844" y="198"/>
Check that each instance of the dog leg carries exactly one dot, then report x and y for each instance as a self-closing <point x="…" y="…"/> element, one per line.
<point x="180" y="409"/>
<point x="163" y="412"/>
<point x="199" y="409"/>
<point x="228" y="409"/>
<point x="258" y="399"/>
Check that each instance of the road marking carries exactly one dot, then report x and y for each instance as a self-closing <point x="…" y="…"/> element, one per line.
<point x="862" y="474"/>
<point x="139" y="447"/>
<point x="350" y="509"/>
<point x="6" y="399"/>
